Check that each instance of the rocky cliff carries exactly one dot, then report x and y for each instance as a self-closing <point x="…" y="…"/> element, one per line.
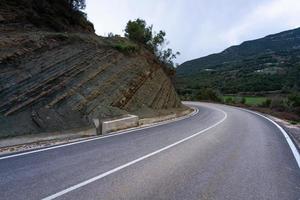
<point x="52" y="81"/>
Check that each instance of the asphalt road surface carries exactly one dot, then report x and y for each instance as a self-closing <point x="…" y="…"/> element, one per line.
<point x="220" y="152"/>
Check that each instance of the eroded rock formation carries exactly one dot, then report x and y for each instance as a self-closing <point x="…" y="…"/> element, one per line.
<point x="53" y="81"/>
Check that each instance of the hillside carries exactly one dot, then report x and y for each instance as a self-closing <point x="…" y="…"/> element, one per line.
<point x="61" y="78"/>
<point x="271" y="63"/>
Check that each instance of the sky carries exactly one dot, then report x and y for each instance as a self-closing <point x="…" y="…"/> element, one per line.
<point x="198" y="28"/>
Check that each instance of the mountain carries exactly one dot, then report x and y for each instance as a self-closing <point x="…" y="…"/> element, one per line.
<point x="55" y="78"/>
<point x="267" y="64"/>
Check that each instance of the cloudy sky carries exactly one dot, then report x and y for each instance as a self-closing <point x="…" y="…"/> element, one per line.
<point x="198" y="27"/>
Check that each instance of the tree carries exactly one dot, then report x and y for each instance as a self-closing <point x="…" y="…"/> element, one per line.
<point x="110" y="35"/>
<point x="167" y="56"/>
<point x="158" y="40"/>
<point x="139" y="32"/>
<point x="77" y="4"/>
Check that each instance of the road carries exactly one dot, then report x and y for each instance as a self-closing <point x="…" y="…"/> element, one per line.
<point x="221" y="152"/>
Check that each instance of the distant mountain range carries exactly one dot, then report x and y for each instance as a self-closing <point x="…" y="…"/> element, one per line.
<point x="271" y="63"/>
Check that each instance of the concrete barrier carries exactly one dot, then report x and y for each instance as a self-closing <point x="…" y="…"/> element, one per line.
<point x="128" y="121"/>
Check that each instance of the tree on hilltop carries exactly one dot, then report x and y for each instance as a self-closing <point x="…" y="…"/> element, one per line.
<point x="139" y="32"/>
<point x="77" y="4"/>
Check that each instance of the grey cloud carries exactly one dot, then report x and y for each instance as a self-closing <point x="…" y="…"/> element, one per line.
<point x="198" y="27"/>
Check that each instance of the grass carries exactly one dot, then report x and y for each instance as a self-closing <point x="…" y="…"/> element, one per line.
<point x="125" y="46"/>
<point x="255" y="101"/>
<point x="250" y="101"/>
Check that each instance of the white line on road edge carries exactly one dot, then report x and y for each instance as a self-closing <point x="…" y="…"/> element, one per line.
<point x="287" y="137"/>
<point x="102" y="137"/>
<point x="84" y="183"/>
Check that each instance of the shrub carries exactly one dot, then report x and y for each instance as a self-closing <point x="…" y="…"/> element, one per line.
<point x="294" y="99"/>
<point x="266" y="103"/>
<point x="209" y="94"/>
<point x="126" y="48"/>
<point x="278" y="104"/>
<point x="243" y="100"/>
<point x="229" y="100"/>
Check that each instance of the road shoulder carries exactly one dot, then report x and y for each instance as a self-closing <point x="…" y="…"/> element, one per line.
<point x="47" y="140"/>
<point x="292" y="130"/>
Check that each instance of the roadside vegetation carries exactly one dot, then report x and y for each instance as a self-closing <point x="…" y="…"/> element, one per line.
<point x="286" y="106"/>
<point x="247" y="100"/>
<point x="259" y="74"/>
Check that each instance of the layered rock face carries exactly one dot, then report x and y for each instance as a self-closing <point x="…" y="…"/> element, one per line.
<point x="52" y="81"/>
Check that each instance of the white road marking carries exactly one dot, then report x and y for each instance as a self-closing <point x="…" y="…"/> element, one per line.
<point x="102" y="137"/>
<point x="116" y="120"/>
<point x="287" y="137"/>
<point x="84" y="183"/>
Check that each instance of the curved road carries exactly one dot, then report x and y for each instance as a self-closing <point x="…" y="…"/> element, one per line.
<point x="220" y="152"/>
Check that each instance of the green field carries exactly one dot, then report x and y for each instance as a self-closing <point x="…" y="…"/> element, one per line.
<point x="251" y="101"/>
